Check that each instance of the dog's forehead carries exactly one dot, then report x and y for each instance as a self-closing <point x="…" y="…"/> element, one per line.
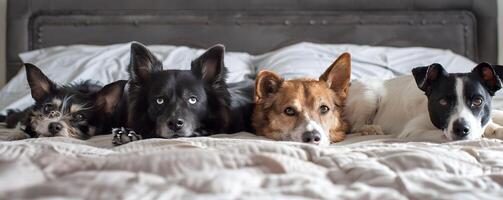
<point x="168" y="82"/>
<point x="445" y="86"/>
<point x="60" y="95"/>
<point x="165" y="77"/>
<point x="305" y="93"/>
<point x="56" y="101"/>
<point x="471" y="86"/>
<point x="474" y="88"/>
<point x="70" y="104"/>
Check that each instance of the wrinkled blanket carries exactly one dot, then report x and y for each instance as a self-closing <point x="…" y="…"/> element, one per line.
<point x="244" y="166"/>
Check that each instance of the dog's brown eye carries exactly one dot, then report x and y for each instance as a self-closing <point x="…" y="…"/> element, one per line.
<point x="48" y="107"/>
<point x="477" y="101"/>
<point x="289" y="111"/>
<point x="443" y="102"/>
<point x="79" y="117"/>
<point x="159" y="100"/>
<point x="324" y="109"/>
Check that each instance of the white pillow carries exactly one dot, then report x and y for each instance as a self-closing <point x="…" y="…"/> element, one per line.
<point x="311" y="60"/>
<point x="65" y="64"/>
<point x="105" y="64"/>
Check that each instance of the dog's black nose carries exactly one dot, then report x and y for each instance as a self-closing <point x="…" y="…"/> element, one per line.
<point x="175" y="124"/>
<point x="55" y="127"/>
<point x="460" y="128"/>
<point x="311" y="137"/>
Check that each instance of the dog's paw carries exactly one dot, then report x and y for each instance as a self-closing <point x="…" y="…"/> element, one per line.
<point x="494" y="131"/>
<point x="124" y="135"/>
<point x="371" y="130"/>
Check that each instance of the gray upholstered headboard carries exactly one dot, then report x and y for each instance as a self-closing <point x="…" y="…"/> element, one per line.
<point x="467" y="27"/>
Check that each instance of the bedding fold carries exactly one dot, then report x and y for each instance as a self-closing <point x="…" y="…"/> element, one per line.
<point x="230" y="168"/>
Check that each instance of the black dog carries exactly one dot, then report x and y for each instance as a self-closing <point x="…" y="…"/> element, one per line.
<point x="183" y="103"/>
<point x="78" y="110"/>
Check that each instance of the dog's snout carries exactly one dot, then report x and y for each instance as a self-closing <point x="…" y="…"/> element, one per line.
<point x="175" y="124"/>
<point x="55" y="127"/>
<point x="313" y="137"/>
<point x="460" y="128"/>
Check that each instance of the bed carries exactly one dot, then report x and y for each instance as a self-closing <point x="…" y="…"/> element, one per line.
<point x="389" y="35"/>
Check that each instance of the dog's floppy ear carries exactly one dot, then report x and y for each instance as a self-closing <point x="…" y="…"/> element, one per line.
<point x="40" y="85"/>
<point x="109" y="96"/>
<point x="210" y="65"/>
<point x="338" y="75"/>
<point x="266" y="84"/>
<point x="488" y="76"/>
<point x="426" y="76"/>
<point x="142" y="63"/>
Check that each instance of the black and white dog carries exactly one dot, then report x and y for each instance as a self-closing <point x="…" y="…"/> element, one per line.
<point x="183" y="103"/>
<point x="431" y="104"/>
<point x="79" y="110"/>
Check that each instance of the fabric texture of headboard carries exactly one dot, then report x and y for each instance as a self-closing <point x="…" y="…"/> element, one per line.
<point x="467" y="27"/>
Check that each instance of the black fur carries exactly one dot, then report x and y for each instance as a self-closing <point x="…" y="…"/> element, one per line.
<point x="98" y="105"/>
<point x="440" y="88"/>
<point x="185" y="103"/>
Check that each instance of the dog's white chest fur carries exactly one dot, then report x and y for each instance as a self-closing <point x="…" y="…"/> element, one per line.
<point x="390" y="105"/>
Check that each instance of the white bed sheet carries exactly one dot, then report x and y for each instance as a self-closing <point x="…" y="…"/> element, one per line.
<point x="244" y="166"/>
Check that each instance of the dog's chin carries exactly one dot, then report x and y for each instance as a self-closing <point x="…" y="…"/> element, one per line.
<point x="452" y="137"/>
<point x="65" y="133"/>
<point x="297" y="138"/>
<point x="475" y="134"/>
<point x="324" y="143"/>
<point x="165" y="132"/>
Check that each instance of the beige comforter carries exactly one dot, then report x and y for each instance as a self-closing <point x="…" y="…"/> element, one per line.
<point x="243" y="166"/>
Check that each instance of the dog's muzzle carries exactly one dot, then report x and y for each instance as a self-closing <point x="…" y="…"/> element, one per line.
<point x="312" y="137"/>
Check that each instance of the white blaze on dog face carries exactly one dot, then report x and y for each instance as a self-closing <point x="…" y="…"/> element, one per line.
<point x="465" y="121"/>
<point x="74" y="110"/>
<point x="62" y="117"/>
<point x="303" y="110"/>
<point x="459" y="104"/>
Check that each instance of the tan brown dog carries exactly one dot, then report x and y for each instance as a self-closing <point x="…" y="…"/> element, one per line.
<point x="303" y="110"/>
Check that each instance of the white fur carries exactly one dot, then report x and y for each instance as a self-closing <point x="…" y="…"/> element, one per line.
<point x="463" y="112"/>
<point x="313" y="125"/>
<point x="42" y="126"/>
<point x="309" y="125"/>
<point x="400" y="108"/>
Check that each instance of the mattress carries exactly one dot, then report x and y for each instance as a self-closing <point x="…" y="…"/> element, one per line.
<point x="244" y="166"/>
<point x="247" y="166"/>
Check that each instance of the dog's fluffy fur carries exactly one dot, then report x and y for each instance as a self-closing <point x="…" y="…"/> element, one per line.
<point x="303" y="110"/>
<point x="79" y="110"/>
<point x="183" y="103"/>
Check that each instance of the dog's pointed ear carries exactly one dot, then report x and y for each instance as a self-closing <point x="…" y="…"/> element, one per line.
<point x="338" y="75"/>
<point x="488" y="77"/>
<point x="108" y="97"/>
<point x="266" y="84"/>
<point x="210" y="65"/>
<point x="426" y="76"/>
<point x="40" y="85"/>
<point x="142" y="63"/>
<point x="499" y="71"/>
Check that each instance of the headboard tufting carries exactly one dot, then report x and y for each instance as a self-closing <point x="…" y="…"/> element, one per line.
<point x="467" y="27"/>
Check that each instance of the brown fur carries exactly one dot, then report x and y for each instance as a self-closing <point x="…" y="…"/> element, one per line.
<point x="274" y="95"/>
